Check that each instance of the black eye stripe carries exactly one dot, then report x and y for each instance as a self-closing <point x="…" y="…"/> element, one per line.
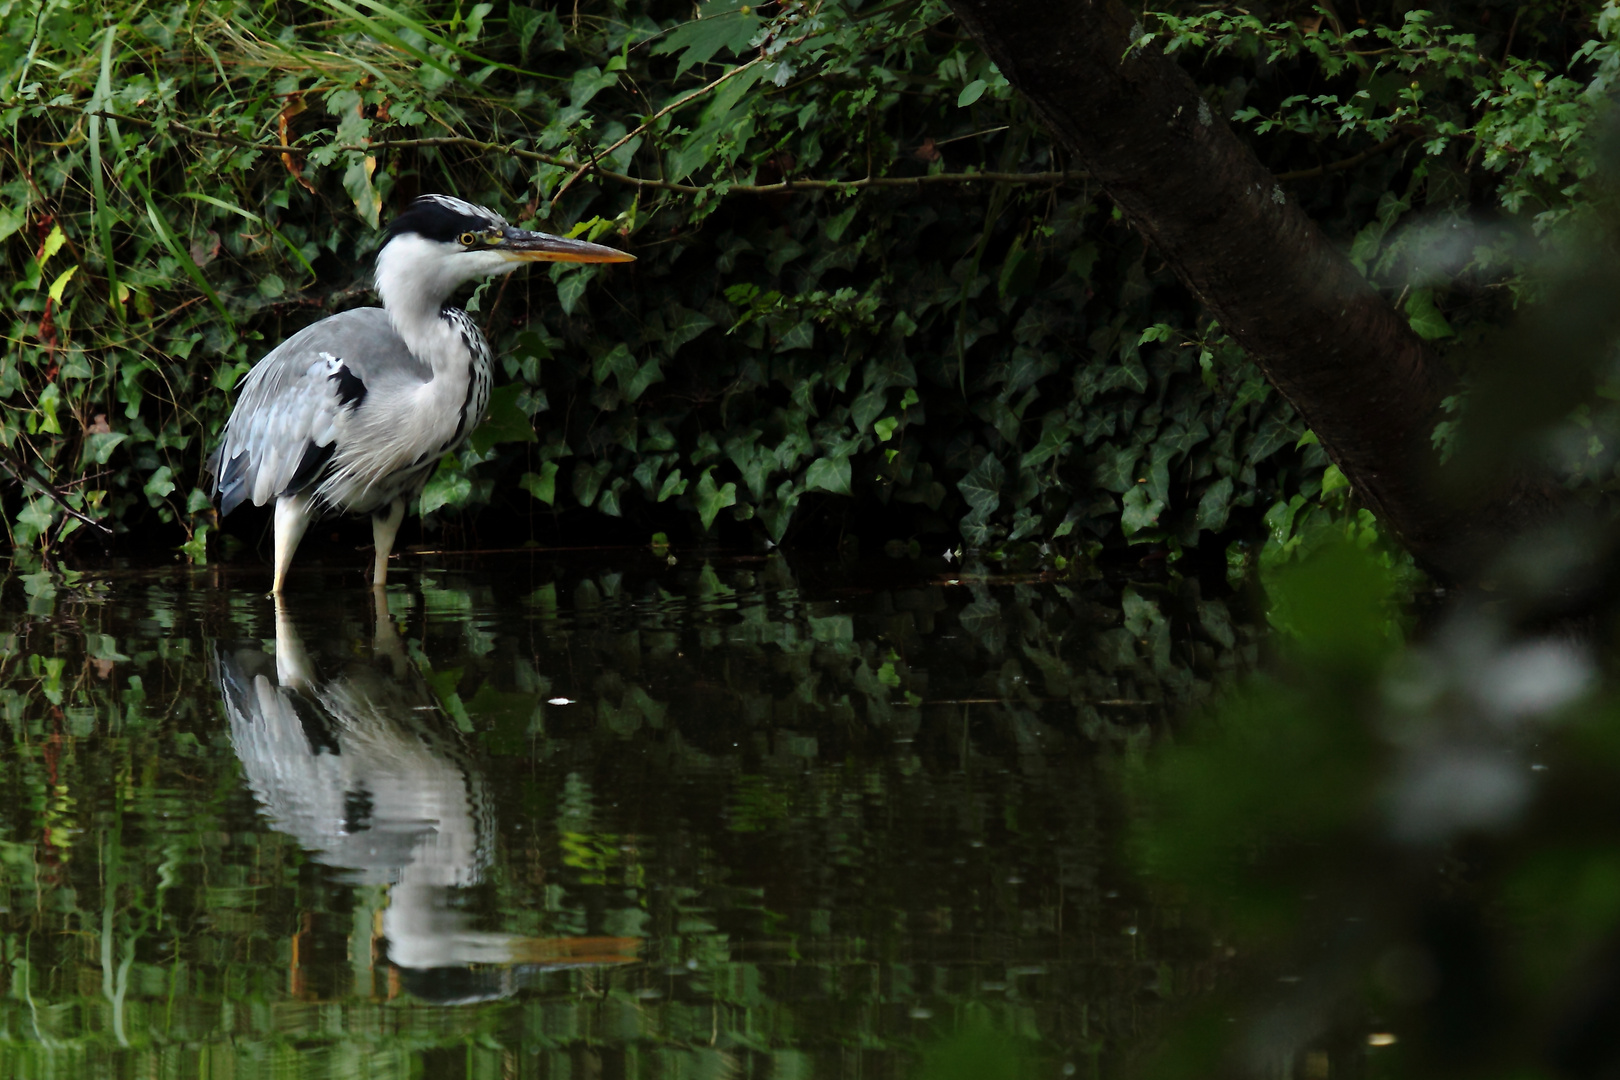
<point x="445" y="220"/>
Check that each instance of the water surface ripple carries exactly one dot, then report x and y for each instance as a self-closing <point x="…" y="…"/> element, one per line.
<point x="563" y="819"/>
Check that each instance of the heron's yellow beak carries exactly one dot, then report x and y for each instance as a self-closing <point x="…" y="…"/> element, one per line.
<point x="521" y="246"/>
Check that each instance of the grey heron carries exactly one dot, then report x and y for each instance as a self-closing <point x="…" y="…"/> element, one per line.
<point x="352" y="413"/>
<point x="363" y="769"/>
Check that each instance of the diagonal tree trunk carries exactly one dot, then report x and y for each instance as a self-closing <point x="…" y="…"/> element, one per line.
<point x="1338" y="352"/>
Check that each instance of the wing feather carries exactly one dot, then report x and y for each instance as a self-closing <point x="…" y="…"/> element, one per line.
<point x="297" y="401"/>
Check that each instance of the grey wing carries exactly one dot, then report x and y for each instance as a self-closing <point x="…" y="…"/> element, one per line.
<point x="293" y="405"/>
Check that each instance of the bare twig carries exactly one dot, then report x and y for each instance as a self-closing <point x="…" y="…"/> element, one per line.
<point x="644" y="125"/>
<point x="25" y="475"/>
<point x="782" y="187"/>
<point x="1348" y="163"/>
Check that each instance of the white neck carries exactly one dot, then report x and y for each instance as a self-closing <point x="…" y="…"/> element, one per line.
<point x="416" y="276"/>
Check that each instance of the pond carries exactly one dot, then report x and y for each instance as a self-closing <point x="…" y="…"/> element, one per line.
<point x="564" y="817"/>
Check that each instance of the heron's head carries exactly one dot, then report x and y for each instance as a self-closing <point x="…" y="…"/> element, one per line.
<point x="440" y="243"/>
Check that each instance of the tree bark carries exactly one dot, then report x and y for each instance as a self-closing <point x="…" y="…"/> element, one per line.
<point x="1339" y="353"/>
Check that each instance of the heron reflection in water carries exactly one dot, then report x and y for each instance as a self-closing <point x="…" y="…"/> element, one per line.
<point x="367" y="774"/>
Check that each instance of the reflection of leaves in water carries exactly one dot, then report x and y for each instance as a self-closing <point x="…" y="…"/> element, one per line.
<point x="982" y="619"/>
<point x="844" y="818"/>
<point x="979" y="1053"/>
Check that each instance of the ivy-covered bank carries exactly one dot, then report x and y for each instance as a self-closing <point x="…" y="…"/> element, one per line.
<point x="871" y="296"/>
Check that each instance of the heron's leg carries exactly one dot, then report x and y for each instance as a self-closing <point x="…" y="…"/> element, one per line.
<point x="386" y="642"/>
<point x="292" y="518"/>
<point x="293" y="669"/>
<point x="384" y="527"/>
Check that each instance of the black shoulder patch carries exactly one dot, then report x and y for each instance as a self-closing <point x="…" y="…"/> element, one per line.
<point x="351" y="391"/>
<point x="310" y="465"/>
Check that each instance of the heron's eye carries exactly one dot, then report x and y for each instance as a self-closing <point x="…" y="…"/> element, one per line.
<point x="469" y="239"/>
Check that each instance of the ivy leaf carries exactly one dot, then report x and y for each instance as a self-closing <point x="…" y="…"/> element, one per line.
<point x="801" y="336"/>
<point x="1274" y="434"/>
<point x="982" y="619"/>
<point x="11" y="219"/>
<point x="754" y="462"/>
<point x="867" y="408"/>
<point x="1115" y="472"/>
<point x="1215" y="505"/>
<point x="571" y="286"/>
<point x="99" y="445"/>
<point x="619" y="362"/>
<point x="644" y="376"/>
<point x="159" y="484"/>
<point x="777" y="514"/>
<point x="196" y="549"/>
<point x="673" y="485"/>
<point x="609" y="502"/>
<point x="828" y="474"/>
<point x="684" y="325"/>
<point x="711" y="499"/>
<point x="542" y="485"/>
<point x="1141" y="613"/>
<point x="1427" y="321"/>
<point x="448" y="486"/>
<point x="588" y="480"/>
<point x="34" y="518"/>
<point x="504" y="422"/>
<point x="588" y="82"/>
<point x="981" y="487"/>
<point x="527" y="22"/>
<point x="647" y="470"/>
<point x="1141" y="510"/>
<point x="1055" y="434"/>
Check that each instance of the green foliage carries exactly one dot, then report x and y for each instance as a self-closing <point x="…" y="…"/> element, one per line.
<point x="1418" y="831"/>
<point x="198" y="181"/>
<point x="834" y="304"/>
<point x="842" y="821"/>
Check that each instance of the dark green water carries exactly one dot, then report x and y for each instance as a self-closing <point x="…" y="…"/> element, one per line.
<point x="562" y="819"/>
